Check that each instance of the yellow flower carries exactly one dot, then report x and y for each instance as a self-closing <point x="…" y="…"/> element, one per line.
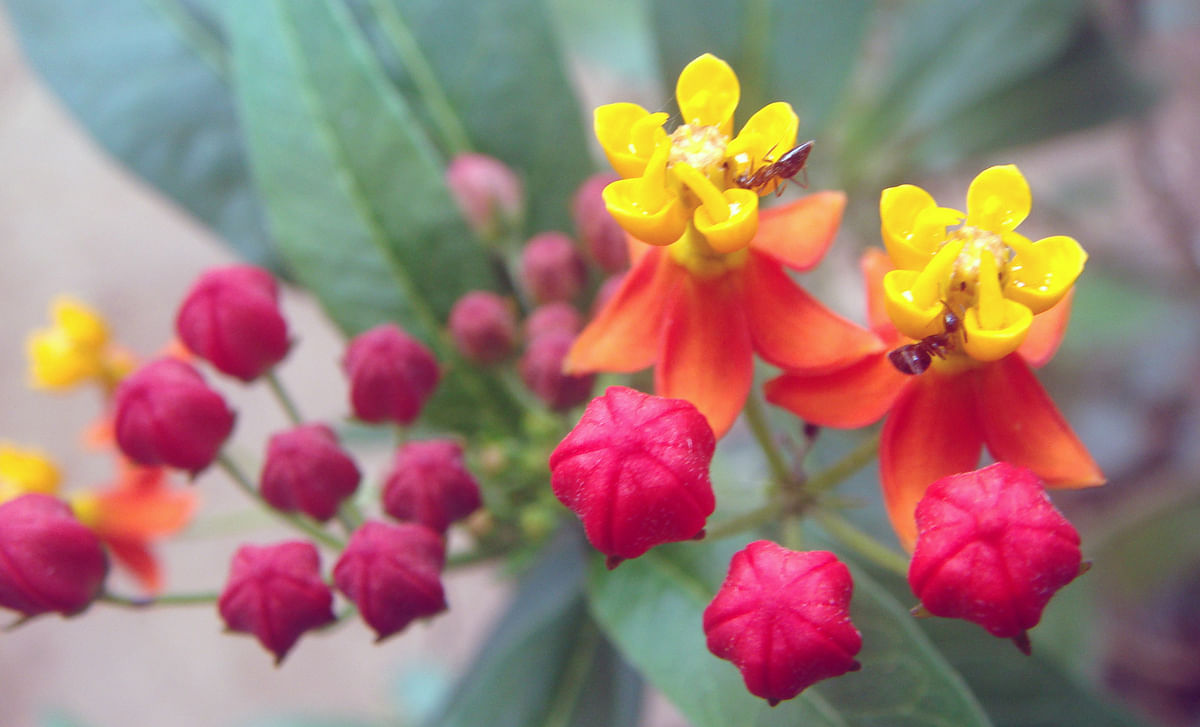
<point x="974" y="265"/>
<point x="74" y="350"/>
<point x="686" y="181"/>
<point x="25" y="470"/>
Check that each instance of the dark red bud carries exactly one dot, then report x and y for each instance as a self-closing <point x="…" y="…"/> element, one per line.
<point x="635" y="471"/>
<point x="559" y="317"/>
<point x="306" y="471"/>
<point x="551" y="268"/>
<point x="488" y="193"/>
<point x="483" y="326"/>
<point x="391" y="375"/>
<point x="601" y="235"/>
<point x="992" y="549"/>
<point x="782" y="617"/>
<point x="275" y="592"/>
<point x="393" y="573"/>
<point x="231" y="318"/>
<point x="430" y="485"/>
<point x="49" y="561"/>
<point x="541" y="370"/>
<point x="166" y="414"/>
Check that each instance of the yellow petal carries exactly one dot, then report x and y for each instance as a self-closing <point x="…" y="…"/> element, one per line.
<point x="27" y="470"/>
<point x="766" y="136"/>
<point x="1042" y="272"/>
<point x="992" y="344"/>
<point x="57" y="363"/>
<point x="913" y="227"/>
<point x="653" y="219"/>
<point x="708" y="93"/>
<point x="740" y="223"/>
<point x="914" y="299"/>
<point x="998" y="199"/>
<point x="629" y="134"/>
<point x="80" y="323"/>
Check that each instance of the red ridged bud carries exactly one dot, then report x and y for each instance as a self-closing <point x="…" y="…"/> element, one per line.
<point x="601" y="234"/>
<point x="488" y="193"/>
<point x="430" y="485"/>
<point x="306" y="471"/>
<point x="166" y="414"/>
<point x="635" y="471"/>
<point x="391" y="375"/>
<point x="782" y="617"/>
<point x="557" y="317"/>
<point x="551" y="268"/>
<point x="992" y="549"/>
<point x="393" y="573"/>
<point x="49" y="561"/>
<point x="231" y="319"/>
<point x="483" y="326"/>
<point x="541" y="370"/>
<point x="275" y="592"/>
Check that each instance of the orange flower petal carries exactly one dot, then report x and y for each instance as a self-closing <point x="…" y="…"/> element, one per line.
<point x="1046" y="333"/>
<point x="136" y="557"/>
<point x="932" y="432"/>
<point x="706" y="355"/>
<point x="847" y="398"/>
<point x="130" y="513"/>
<point x="1021" y="425"/>
<point x="799" y="233"/>
<point x="791" y="329"/>
<point x="876" y="263"/>
<point x="624" y="336"/>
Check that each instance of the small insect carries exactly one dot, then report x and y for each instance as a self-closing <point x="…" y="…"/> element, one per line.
<point x="781" y="170"/>
<point x="915" y="358"/>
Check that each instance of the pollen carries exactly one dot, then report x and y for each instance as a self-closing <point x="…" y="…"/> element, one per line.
<point x="964" y="278"/>
<point x="703" y="147"/>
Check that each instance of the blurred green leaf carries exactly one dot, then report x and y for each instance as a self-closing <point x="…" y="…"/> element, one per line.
<point x="546" y="663"/>
<point x="652" y="608"/>
<point x="149" y="81"/>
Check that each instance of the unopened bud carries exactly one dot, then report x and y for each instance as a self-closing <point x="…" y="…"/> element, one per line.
<point x="488" y="193"/>
<point x="551" y="268"/>
<point x="430" y="485"/>
<point x="483" y="326"/>
<point x="602" y="236"/>
<point x="391" y="375"/>
<point x="558" y="317"/>
<point x="305" y="470"/>
<point x="541" y="369"/>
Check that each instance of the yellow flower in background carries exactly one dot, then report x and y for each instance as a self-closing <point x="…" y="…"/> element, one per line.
<point x="74" y="350"/>
<point x="975" y="265"/>
<point x="24" y="471"/>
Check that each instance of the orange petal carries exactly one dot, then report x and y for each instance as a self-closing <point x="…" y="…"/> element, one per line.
<point x="799" y="233"/>
<point x="847" y="398"/>
<point x="126" y="513"/>
<point x="791" y="329"/>
<point x="876" y="263"/>
<point x="624" y="336"/>
<point x="1021" y="425"/>
<point x="1046" y="333"/>
<point x="136" y="557"/>
<point x="706" y="354"/>
<point x="931" y="432"/>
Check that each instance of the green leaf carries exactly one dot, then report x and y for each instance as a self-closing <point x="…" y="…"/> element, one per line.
<point x="148" y="81"/>
<point x="546" y="664"/>
<point x="652" y="607"/>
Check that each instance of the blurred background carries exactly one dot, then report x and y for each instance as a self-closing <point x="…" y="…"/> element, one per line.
<point x="1103" y="119"/>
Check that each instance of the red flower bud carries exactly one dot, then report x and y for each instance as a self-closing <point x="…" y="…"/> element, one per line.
<point x="559" y="317"/>
<point x="393" y="574"/>
<point x="551" y="268"/>
<point x="635" y="471"/>
<point x="605" y="292"/>
<point x="483" y="326"/>
<point x="428" y="484"/>
<point x="601" y="234"/>
<point x="488" y="193"/>
<point x="231" y="319"/>
<point x="391" y="375"/>
<point x="782" y="618"/>
<point x="166" y="414"/>
<point x="306" y="470"/>
<point x="276" y="593"/>
<point x="541" y="370"/>
<point x="49" y="561"/>
<point x="992" y="549"/>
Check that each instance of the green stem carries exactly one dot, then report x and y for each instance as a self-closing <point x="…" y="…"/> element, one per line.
<point x="863" y="544"/>
<point x="470" y="557"/>
<point x="285" y="400"/>
<point x="855" y="460"/>
<point x="166" y="599"/>
<point x="446" y="122"/>
<point x="295" y="521"/>
<point x="746" y="521"/>
<point x="761" y="429"/>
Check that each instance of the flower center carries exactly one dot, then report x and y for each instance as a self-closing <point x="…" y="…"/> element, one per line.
<point x="703" y="147"/>
<point x="693" y="252"/>
<point x="963" y="286"/>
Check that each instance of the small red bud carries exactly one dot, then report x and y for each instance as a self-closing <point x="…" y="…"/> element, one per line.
<point x="551" y="268"/>
<point x="541" y="370"/>
<point x="231" y="318"/>
<point x="393" y="574"/>
<point x="430" y="485"/>
<point x="483" y="326"/>
<point x="558" y="317"/>
<point x="992" y="549"/>
<point x="166" y="414"/>
<point x="275" y="592"/>
<point x="49" y="561"/>
<point x="601" y="234"/>
<point x="391" y="375"/>
<point x="488" y="193"/>
<point x="635" y="471"/>
<point x="306" y="471"/>
<point x="782" y="617"/>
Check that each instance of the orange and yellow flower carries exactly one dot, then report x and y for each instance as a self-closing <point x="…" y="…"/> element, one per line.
<point x="1013" y="299"/>
<point x="75" y="349"/>
<point x="708" y="287"/>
